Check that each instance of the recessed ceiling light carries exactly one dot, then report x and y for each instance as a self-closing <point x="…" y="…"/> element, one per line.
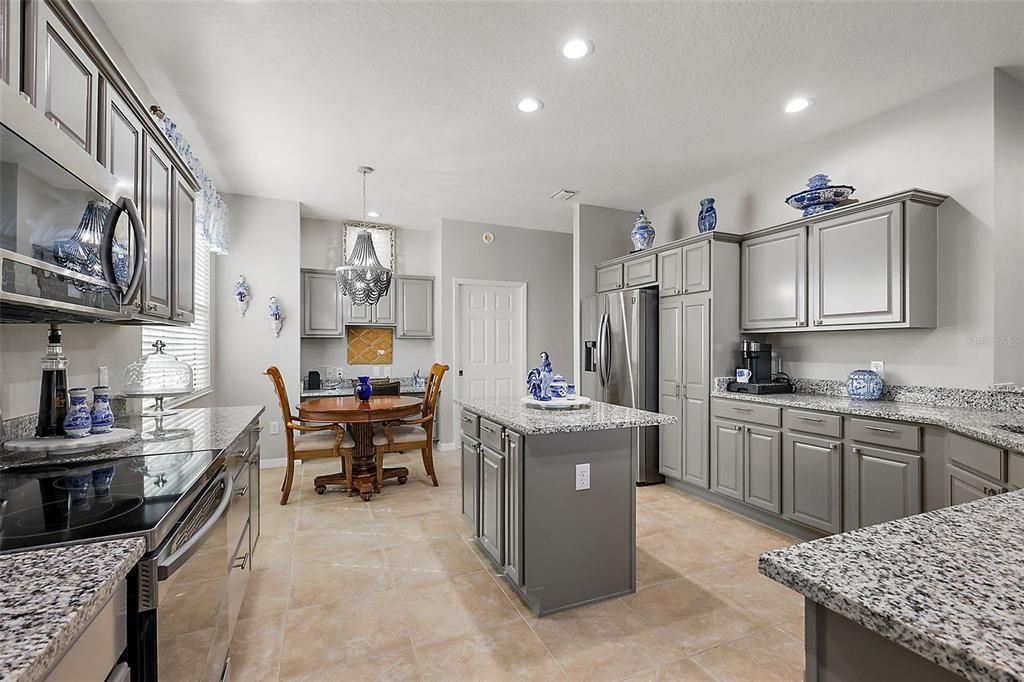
<point x="528" y="105"/>
<point x="577" y="48"/>
<point x="372" y="214"/>
<point x="797" y="104"/>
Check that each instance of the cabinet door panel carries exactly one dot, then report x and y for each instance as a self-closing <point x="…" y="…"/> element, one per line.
<point x="727" y="458"/>
<point x="415" y="308"/>
<point x="670" y="272"/>
<point x="123" y="145"/>
<point x="670" y="375"/>
<point x="470" y="482"/>
<point x="856" y="268"/>
<point x="492" y="504"/>
<point x="184" y="252"/>
<point x="773" y="280"/>
<point x="357" y="314"/>
<point x="697" y="268"/>
<point x="157" y="202"/>
<point x="609" y="278"/>
<point x="321" y="305"/>
<point x="384" y="312"/>
<point x="963" y="486"/>
<point x="641" y="271"/>
<point x="762" y="463"/>
<point x="880" y="486"/>
<point x="514" y="515"/>
<point x="812" y="482"/>
<point x="696" y="388"/>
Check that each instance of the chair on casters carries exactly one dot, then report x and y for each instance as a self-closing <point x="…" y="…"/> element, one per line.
<point x="310" y="441"/>
<point x="413" y="434"/>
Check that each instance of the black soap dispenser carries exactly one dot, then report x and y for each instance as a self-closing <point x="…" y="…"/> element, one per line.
<point x="53" y="388"/>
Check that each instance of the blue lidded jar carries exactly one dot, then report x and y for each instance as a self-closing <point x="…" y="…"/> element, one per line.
<point x="864" y="384"/>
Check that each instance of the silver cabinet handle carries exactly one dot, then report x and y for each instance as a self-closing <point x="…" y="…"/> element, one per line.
<point x="855" y="451"/>
<point x="488" y="429"/>
<point x="833" y="446"/>
<point x="743" y="409"/>
<point x="881" y="429"/>
<point x="241" y="561"/>
<point x="994" y="491"/>
<point x="242" y="492"/>
<point x="809" y="419"/>
<point x="818" y="322"/>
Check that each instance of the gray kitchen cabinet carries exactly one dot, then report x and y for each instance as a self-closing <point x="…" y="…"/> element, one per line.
<point x="773" y="281"/>
<point x="879" y="485"/>
<point x="670" y="272"/>
<point x="382" y="314"/>
<point x="812" y="482"/>
<point x="609" y="277"/>
<point x="964" y="486"/>
<point x="123" y="144"/>
<point x="641" y="271"/>
<point x="856" y="268"/>
<point x="696" y="391"/>
<point x="492" y="504"/>
<point x="727" y="458"/>
<point x="762" y="468"/>
<point x="697" y="267"/>
<point x="470" y="481"/>
<point x="415" y="307"/>
<point x="183" y="265"/>
<point x="156" y="294"/>
<point x="321" y="305"/>
<point x="514" y="444"/>
<point x="64" y="80"/>
<point x="10" y="43"/>
<point x="670" y="383"/>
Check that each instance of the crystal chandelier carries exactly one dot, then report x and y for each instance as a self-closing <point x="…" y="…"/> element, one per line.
<point x="362" y="278"/>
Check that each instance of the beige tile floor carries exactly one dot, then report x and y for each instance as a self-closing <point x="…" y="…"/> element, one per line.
<point x="394" y="589"/>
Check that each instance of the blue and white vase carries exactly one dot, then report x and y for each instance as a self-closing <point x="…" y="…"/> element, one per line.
<point x="275" y="315"/>
<point x="364" y="390"/>
<point x="642" y="234"/>
<point x="242" y="294"/>
<point x="78" y="422"/>
<point x="863" y="384"/>
<point x="708" y="216"/>
<point x="102" y="417"/>
<point x="559" y="388"/>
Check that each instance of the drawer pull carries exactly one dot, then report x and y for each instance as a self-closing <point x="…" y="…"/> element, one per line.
<point x="743" y="409"/>
<point x="880" y="429"/>
<point x="240" y="561"/>
<point x="488" y="429"/>
<point x="242" y="492"/>
<point x="467" y="420"/>
<point x="809" y="419"/>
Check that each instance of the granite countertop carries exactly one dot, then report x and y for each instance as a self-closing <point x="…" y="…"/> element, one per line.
<point x="970" y="422"/>
<point x="945" y="584"/>
<point x="191" y="430"/>
<point x="50" y="595"/>
<point x="533" y="421"/>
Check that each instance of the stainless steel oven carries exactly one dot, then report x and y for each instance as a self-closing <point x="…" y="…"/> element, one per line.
<point x="72" y="244"/>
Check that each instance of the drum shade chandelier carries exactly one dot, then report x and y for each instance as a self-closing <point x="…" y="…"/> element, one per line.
<point x="362" y="278"/>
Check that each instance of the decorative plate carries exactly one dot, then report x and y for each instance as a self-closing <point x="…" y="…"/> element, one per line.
<point x="62" y="445"/>
<point x="577" y="403"/>
<point x="819" y="196"/>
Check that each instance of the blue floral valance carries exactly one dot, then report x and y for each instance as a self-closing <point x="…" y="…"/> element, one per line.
<point x="211" y="211"/>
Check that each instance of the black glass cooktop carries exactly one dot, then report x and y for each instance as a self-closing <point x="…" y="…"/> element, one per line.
<point x="44" y="505"/>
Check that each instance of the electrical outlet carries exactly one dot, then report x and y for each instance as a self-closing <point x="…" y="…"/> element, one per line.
<point x="878" y="367"/>
<point x="275" y="428"/>
<point x="583" y="476"/>
<point x="1004" y="386"/>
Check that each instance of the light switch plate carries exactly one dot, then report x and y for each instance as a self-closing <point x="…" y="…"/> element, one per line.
<point x="583" y="476"/>
<point x="878" y="367"/>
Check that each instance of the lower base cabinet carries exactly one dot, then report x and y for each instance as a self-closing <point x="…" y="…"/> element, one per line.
<point x="762" y="468"/>
<point x="470" y="477"/>
<point x="963" y="486"/>
<point x="812" y="482"/>
<point x="492" y="503"/>
<point x="879" y="485"/>
<point x="727" y="458"/>
<point x="514" y="507"/>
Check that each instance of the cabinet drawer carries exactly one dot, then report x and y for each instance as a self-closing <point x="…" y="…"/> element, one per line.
<point x="970" y="454"/>
<point x="238" y="512"/>
<point x="903" y="436"/>
<point x="1015" y="470"/>
<point x="814" y="422"/>
<point x="642" y="271"/>
<point x="470" y="423"/>
<point x="490" y="434"/>
<point x="747" y="412"/>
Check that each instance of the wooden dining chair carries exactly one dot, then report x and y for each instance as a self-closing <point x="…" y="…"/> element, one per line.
<point x="310" y="440"/>
<point x="413" y="434"/>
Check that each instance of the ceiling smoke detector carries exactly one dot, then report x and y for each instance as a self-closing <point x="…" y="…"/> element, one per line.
<point x="564" y="194"/>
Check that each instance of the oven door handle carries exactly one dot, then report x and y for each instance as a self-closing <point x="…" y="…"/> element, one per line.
<point x="169" y="565"/>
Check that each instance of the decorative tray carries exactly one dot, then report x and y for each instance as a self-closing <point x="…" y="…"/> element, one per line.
<point x="63" y="445"/>
<point x="577" y="403"/>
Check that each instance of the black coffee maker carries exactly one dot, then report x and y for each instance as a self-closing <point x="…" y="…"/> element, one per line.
<point x="757" y="359"/>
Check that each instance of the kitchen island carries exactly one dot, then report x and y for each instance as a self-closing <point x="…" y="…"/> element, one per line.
<point x="552" y="499"/>
<point x="935" y="596"/>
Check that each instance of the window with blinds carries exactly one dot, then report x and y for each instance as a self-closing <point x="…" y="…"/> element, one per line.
<point x="192" y="344"/>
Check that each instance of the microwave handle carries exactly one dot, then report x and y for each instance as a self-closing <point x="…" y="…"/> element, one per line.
<point x="107" y="248"/>
<point x="169" y="565"/>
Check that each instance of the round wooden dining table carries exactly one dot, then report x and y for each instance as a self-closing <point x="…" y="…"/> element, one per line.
<point x="360" y="416"/>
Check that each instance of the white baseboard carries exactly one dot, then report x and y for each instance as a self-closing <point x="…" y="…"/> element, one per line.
<point x="448" y="446"/>
<point x="273" y="463"/>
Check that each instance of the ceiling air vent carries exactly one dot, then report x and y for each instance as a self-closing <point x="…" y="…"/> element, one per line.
<point x="564" y="194"/>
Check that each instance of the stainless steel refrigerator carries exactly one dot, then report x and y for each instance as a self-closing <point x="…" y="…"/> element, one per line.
<point x="620" y="363"/>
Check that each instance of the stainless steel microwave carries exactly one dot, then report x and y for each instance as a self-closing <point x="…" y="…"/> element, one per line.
<point x="72" y="244"/>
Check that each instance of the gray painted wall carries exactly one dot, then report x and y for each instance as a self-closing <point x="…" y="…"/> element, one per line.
<point x="540" y="258"/>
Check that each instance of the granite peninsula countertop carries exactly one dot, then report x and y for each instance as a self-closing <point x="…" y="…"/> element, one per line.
<point x="50" y="595"/>
<point x="191" y="430"/>
<point x="970" y="422"/>
<point x="532" y="421"/>
<point x="946" y="584"/>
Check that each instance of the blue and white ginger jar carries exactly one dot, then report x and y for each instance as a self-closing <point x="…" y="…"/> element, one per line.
<point x="707" y="218"/>
<point x="78" y="422"/>
<point x="863" y="384"/>
<point x="642" y="234"/>
<point x="101" y="416"/>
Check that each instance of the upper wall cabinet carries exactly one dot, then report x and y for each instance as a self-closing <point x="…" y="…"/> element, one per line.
<point x="381" y="314"/>
<point x="641" y="271"/>
<point x="409" y="305"/>
<point x="609" y="277"/>
<point x="415" y="307"/>
<point x="157" y="217"/>
<point x="65" y="80"/>
<point x="10" y="48"/>
<point x="773" y="281"/>
<point x="321" y="304"/>
<point x="122" y="144"/>
<point x="184" y="242"/>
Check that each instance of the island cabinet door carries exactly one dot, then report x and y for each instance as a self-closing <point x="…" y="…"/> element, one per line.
<point x="492" y="504"/>
<point x="879" y="486"/>
<point x="762" y="468"/>
<point x="812" y="482"/>
<point x="514" y="507"/>
<point x="470" y="482"/>
<point x="727" y="458"/>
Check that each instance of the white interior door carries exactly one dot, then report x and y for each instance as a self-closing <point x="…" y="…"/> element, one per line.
<point x="491" y="333"/>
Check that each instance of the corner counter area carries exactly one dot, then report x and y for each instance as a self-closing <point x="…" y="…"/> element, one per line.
<point x="935" y="596"/>
<point x="551" y="497"/>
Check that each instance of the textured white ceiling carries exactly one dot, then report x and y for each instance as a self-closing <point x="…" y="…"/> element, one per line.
<point x="285" y="99"/>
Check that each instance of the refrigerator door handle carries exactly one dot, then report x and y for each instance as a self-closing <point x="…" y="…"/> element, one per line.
<point x="606" y="351"/>
<point x="600" y="350"/>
